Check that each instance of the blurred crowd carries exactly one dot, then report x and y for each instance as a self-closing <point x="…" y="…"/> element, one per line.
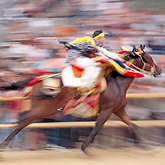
<point x="30" y="31"/>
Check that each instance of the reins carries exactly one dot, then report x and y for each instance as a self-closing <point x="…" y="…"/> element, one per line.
<point x="141" y="69"/>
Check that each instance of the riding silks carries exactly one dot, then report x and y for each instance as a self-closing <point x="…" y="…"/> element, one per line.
<point x="125" y="70"/>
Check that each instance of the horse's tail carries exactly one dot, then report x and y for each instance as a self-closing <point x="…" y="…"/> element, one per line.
<point x="18" y="85"/>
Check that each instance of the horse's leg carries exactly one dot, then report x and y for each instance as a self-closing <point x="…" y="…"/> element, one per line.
<point x="102" y="118"/>
<point x="40" y="108"/>
<point x="29" y="118"/>
<point x="122" y="114"/>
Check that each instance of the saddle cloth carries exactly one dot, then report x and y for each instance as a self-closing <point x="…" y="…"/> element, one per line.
<point x="84" y="107"/>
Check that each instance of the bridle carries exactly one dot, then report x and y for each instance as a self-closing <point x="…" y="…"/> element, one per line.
<point x="140" y="54"/>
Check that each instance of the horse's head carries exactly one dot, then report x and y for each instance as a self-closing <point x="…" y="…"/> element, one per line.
<point x="142" y="61"/>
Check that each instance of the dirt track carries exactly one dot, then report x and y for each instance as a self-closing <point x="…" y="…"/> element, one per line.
<point x="120" y="156"/>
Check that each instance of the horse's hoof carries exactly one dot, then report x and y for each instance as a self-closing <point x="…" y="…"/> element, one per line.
<point x="85" y="154"/>
<point x="143" y="145"/>
<point x="149" y="149"/>
<point x="83" y="148"/>
<point x="3" y="146"/>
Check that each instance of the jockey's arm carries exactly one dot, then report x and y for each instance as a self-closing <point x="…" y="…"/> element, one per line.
<point x="106" y="53"/>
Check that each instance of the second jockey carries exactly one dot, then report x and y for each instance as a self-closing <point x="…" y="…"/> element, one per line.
<point x="81" y="54"/>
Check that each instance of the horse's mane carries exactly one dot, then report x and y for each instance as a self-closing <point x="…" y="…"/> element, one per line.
<point x="113" y="75"/>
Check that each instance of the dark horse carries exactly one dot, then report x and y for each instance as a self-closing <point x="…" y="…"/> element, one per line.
<point x="112" y="100"/>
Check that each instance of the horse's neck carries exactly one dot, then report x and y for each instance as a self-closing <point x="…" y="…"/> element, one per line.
<point x="121" y="82"/>
<point x="124" y="82"/>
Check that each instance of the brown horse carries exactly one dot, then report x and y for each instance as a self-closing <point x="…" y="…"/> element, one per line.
<point x="112" y="100"/>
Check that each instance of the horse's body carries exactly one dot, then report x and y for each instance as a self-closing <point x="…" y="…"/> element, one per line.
<point x="112" y="100"/>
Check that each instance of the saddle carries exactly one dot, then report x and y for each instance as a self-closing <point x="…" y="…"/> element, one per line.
<point x="51" y="86"/>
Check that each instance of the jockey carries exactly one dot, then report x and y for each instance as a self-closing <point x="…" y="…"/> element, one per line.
<point x="81" y="53"/>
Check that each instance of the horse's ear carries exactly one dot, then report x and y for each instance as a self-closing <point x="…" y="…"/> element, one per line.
<point x="134" y="48"/>
<point x="142" y="47"/>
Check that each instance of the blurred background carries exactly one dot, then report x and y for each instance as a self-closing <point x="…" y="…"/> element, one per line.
<point x="29" y="33"/>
